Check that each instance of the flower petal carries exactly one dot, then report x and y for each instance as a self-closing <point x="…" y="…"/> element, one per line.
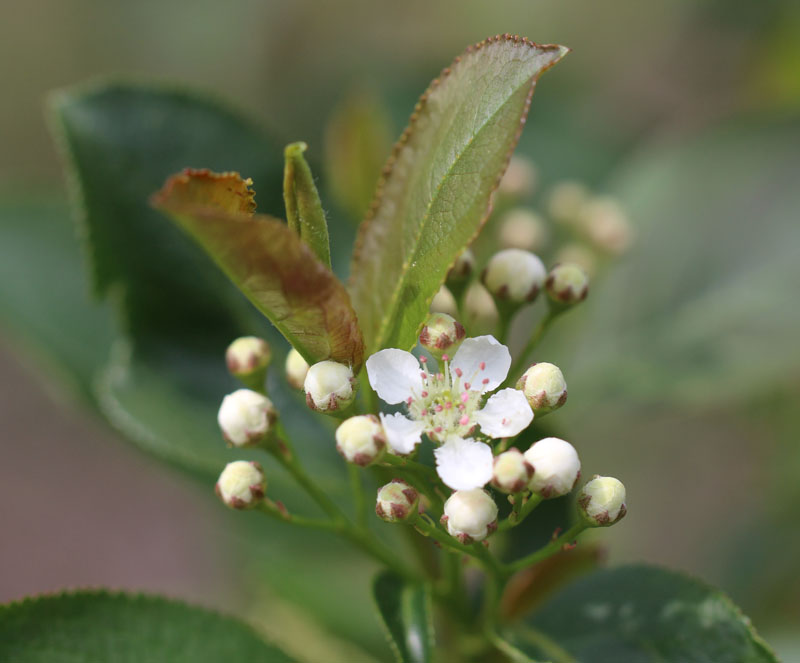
<point x="402" y="434"/>
<point x="506" y="413"/>
<point x="394" y="374"/>
<point x="484" y="351"/>
<point x="464" y="464"/>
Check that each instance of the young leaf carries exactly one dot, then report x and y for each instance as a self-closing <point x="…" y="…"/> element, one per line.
<point x="268" y="262"/>
<point x="435" y="193"/>
<point x="642" y="614"/>
<point x="405" y="611"/>
<point x="99" y="626"/>
<point x="303" y="207"/>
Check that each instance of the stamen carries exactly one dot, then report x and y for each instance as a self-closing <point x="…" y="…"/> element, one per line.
<point x="464" y="420"/>
<point x="424" y="375"/>
<point x="467" y="385"/>
<point x="464" y="397"/>
<point x="439" y="408"/>
<point x="445" y="358"/>
<point x="438" y="429"/>
<point x="459" y="372"/>
<point x="485" y="381"/>
<point x="424" y="394"/>
<point x="483" y="365"/>
<point x="423" y="360"/>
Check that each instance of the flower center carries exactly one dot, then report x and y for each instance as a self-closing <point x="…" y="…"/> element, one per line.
<point x="446" y="402"/>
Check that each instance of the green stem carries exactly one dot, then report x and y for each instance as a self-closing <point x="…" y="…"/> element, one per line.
<point x="547" y="551"/>
<point x="427" y="472"/>
<point x="273" y="510"/>
<point x="533" y="342"/>
<point x="359" y="498"/>
<point x="369" y="399"/>
<point x="520" y="511"/>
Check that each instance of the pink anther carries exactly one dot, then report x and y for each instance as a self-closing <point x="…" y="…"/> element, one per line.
<point x="482" y="365"/>
<point x="464" y="397"/>
<point x="445" y="358"/>
<point x="464" y="420"/>
<point x="485" y="381"/>
<point x="459" y="372"/>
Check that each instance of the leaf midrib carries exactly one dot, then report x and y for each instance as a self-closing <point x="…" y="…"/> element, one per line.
<point x="426" y="217"/>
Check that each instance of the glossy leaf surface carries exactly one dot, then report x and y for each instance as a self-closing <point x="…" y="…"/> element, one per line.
<point x="97" y="626"/>
<point x="436" y="190"/>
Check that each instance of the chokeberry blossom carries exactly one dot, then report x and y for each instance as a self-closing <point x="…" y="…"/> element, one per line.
<point x="447" y="404"/>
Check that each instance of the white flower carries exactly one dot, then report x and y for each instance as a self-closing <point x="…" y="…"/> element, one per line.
<point x="556" y="467"/>
<point x="602" y="501"/>
<point x="470" y="515"/>
<point x="329" y="386"/>
<point x="448" y="406"/>
<point x="245" y="417"/>
<point x="241" y="485"/>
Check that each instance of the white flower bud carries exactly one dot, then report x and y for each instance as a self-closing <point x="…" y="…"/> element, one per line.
<point x="329" y="386"/>
<point x="480" y="310"/>
<point x="523" y="229"/>
<point x="556" y="467"/>
<point x="606" y="225"/>
<point x="246" y="417"/>
<point x="602" y="501"/>
<point x="512" y="472"/>
<point x="397" y="501"/>
<point x="580" y="255"/>
<point x="444" y="302"/>
<point x="241" y="485"/>
<point x="441" y="334"/>
<point x="462" y="268"/>
<point x="296" y="369"/>
<point x="470" y="515"/>
<point x="566" y="200"/>
<point x="544" y="386"/>
<point x="514" y="275"/>
<point x="567" y="284"/>
<point x="519" y="179"/>
<point x="361" y="440"/>
<point x="248" y="356"/>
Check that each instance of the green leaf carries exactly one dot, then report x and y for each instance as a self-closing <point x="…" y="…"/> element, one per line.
<point x="269" y="263"/>
<point x="45" y="305"/>
<point x="98" y="626"/>
<point x="303" y="207"/>
<point x="642" y="614"/>
<point x="436" y="192"/>
<point x="121" y="141"/>
<point x="405" y="611"/>
<point x="357" y="141"/>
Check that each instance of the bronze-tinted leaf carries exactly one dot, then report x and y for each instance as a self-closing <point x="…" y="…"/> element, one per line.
<point x="268" y="262"/>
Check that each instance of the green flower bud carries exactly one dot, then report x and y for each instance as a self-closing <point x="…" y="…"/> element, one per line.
<point x="544" y="386"/>
<point x="566" y="201"/>
<point x="601" y="501"/>
<point x="296" y="369"/>
<point x="567" y="284"/>
<point x="470" y="515"/>
<point x="441" y="334"/>
<point x="522" y="228"/>
<point x="248" y="356"/>
<point x="511" y="471"/>
<point x="606" y="225"/>
<point x="514" y="276"/>
<point x="361" y="439"/>
<point x="330" y="386"/>
<point x="397" y="502"/>
<point x="480" y="311"/>
<point x="241" y="485"/>
<point x="444" y="302"/>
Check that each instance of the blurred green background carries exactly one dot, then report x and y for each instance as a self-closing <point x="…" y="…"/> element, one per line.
<point x="684" y="364"/>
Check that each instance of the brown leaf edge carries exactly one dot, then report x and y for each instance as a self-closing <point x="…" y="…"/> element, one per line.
<point x="407" y="132"/>
<point x="178" y="196"/>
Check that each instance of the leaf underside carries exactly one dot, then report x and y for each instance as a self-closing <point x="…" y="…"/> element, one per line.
<point x="435" y="192"/>
<point x="268" y="262"/>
